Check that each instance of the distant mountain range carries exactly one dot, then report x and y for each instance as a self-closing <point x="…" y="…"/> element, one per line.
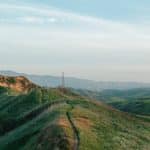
<point x="54" y="81"/>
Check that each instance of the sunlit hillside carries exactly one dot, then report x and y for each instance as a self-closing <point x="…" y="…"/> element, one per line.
<point x="59" y="119"/>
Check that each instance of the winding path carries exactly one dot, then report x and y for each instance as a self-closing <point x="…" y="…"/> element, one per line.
<point x="38" y="111"/>
<point x="74" y="128"/>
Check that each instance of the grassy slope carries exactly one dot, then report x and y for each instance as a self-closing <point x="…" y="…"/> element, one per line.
<point x="99" y="127"/>
<point x="141" y="107"/>
<point x="135" y="101"/>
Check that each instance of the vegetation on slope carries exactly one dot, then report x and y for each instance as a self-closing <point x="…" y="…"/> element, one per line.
<point x="141" y="107"/>
<point x="59" y="119"/>
<point x="17" y="84"/>
<point x="135" y="101"/>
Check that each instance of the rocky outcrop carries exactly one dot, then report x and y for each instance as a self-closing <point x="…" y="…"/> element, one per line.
<point x="19" y="83"/>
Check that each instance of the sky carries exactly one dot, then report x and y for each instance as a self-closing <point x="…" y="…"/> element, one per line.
<point x="98" y="40"/>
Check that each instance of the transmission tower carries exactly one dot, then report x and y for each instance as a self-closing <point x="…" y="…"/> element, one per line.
<point x="63" y="80"/>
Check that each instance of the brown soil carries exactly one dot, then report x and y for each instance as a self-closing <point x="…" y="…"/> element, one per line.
<point x="18" y="84"/>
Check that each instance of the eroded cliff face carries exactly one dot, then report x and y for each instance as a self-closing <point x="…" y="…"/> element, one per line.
<point x="19" y="84"/>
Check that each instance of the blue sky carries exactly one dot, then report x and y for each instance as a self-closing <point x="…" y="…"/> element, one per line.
<point x="128" y="10"/>
<point x="99" y="40"/>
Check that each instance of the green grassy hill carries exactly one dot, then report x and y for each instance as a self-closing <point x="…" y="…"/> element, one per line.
<point x="135" y="101"/>
<point x="141" y="107"/>
<point x="44" y="119"/>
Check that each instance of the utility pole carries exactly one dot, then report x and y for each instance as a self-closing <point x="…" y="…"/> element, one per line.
<point x="63" y="80"/>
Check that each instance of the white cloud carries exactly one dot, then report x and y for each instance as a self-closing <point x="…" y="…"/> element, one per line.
<point x="32" y="19"/>
<point x="37" y="20"/>
<point x="52" y="20"/>
<point x="70" y="38"/>
<point x="53" y="12"/>
<point x="52" y="15"/>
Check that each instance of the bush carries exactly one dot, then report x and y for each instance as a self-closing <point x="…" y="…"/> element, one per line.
<point x="6" y="123"/>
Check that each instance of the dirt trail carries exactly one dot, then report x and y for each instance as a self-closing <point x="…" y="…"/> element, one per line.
<point x="75" y="130"/>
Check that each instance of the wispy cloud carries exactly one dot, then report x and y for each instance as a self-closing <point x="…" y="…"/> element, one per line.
<point x="56" y="13"/>
<point x="31" y="19"/>
<point x="97" y="30"/>
<point x="37" y="20"/>
<point x="29" y="14"/>
<point x="61" y="37"/>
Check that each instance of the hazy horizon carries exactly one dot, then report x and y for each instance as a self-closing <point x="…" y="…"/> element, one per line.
<point x="67" y="76"/>
<point x="95" y="40"/>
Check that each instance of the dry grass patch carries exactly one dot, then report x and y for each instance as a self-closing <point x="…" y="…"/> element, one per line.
<point x="66" y="126"/>
<point x="83" y="122"/>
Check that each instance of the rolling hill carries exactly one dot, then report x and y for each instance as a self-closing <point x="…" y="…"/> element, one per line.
<point x="57" y="118"/>
<point x="135" y="101"/>
<point x="54" y="81"/>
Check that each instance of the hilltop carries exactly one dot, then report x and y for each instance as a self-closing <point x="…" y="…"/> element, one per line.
<point x="18" y="84"/>
<point x="56" y="118"/>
